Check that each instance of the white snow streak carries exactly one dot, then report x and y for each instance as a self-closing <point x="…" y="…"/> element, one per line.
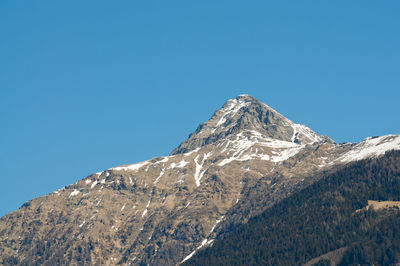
<point x="216" y="223"/>
<point x="158" y="178"/>
<point x="198" y="173"/>
<point x="181" y="164"/>
<point x="145" y="211"/>
<point x="204" y="242"/>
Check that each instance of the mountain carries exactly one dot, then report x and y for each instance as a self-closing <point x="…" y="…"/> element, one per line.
<point x="243" y="160"/>
<point x="350" y="217"/>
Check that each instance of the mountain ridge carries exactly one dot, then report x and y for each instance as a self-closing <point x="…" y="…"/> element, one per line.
<point x="162" y="210"/>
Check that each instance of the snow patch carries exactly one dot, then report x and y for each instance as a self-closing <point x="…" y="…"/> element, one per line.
<point x="278" y="144"/>
<point x="163" y="160"/>
<point x="181" y="164"/>
<point x="372" y="147"/>
<point x="216" y="223"/>
<point x="74" y="193"/>
<point x="243" y="143"/>
<point x="190" y="152"/>
<point x="133" y="167"/>
<point x="94" y="184"/>
<point x="240" y="145"/>
<point x="286" y="154"/>
<point x="305" y="131"/>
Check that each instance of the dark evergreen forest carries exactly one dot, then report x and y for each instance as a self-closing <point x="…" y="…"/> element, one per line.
<point x="329" y="215"/>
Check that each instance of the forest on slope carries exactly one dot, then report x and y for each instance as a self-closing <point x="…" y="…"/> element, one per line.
<point x="327" y="221"/>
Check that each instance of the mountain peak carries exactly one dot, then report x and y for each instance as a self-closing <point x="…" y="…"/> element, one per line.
<point x="246" y="113"/>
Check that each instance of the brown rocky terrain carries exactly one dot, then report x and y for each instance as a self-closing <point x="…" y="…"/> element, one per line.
<point x="160" y="211"/>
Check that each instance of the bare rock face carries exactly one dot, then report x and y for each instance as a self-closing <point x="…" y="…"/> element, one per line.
<point x="161" y="211"/>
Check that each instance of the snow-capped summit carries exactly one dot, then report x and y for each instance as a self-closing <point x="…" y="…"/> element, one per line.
<point x="245" y="113"/>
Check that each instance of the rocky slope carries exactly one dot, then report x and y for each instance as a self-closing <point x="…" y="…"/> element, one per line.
<point x="349" y="217"/>
<point x="160" y="211"/>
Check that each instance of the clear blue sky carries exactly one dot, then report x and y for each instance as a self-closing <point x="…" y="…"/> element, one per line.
<point x="88" y="85"/>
